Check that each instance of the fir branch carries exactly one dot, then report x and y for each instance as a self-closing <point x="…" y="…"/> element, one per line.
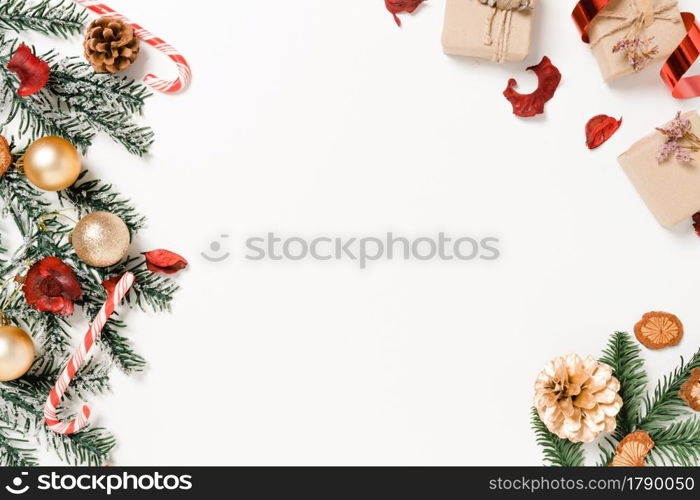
<point x="95" y="195"/>
<point x="76" y="83"/>
<point x="88" y="447"/>
<point x="119" y="349"/>
<point x="21" y="405"/>
<point x="666" y="405"/>
<point x="23" y="201"/>
<point x="677" y="444"/>
<point x="105" y="102"/>
<point x="72" y="105"/>
<point x="13" y="449"/>
<point x="151" y="290"/>
<point x="62" y="18"/>
<point x="37" y="115"/>
<point x="624" y="356"/>
<point x="607" y="452"/>
<point x="53" y="332"/>
<point x="557" y="451"/>
<point x="136" y="139"/>
<point x="92" y="379"/>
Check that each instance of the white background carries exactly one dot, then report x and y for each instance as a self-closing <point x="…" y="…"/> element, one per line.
<point x="317" y="117"/>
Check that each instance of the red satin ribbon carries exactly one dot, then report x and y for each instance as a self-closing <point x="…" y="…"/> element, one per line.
<point x="681" y="60"/>
<point x="583" y="15"/>
<point x="677" y="64"/>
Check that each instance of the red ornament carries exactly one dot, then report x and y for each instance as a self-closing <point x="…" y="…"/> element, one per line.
<point x="164" y="261"/>
<point x="396" y="6"/>
<point x="599" y="129"/>
<point x="33" y="73"/>
<point x="527" y="105"/>
<point x="51" y="286"/>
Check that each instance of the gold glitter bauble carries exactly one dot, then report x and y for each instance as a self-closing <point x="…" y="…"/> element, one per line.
<point x="101" y="239"/>
<point x="16" y="353"/>
<point x="51" y="163"/>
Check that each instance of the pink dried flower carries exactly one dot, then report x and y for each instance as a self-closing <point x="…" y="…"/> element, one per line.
<point x="640" y="51"/>
<point x="680" y="142"/>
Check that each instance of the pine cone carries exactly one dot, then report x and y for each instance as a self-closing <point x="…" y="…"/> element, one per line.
<point x="110" y="45"/>
<point x="577" y="398"/>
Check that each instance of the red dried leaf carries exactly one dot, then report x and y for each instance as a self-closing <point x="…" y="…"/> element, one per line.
<point x="33" y="73"/>
<point x="164" y="261"/>
<point x="599" y="129"/>
<point x="396" y="6"/>
<point x="526" y="105"/>
<point x="696" y="223"/>
<point x="51" y="286"/>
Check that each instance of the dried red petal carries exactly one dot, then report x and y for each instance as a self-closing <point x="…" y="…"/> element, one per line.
<point x="33" y="73"/>
<point x="51" y="286"/>
<point x="396" y="6"/>
<point x="527" y="105"/>
<point x="164" y="261"/>
<point x="110" y="284"/>
<point x="599" y="129"/>
<point x="696" y="223"/>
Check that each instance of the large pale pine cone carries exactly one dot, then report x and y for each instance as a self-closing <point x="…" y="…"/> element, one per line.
<point x="577" y="398"/>
<point x="110" y="45"/>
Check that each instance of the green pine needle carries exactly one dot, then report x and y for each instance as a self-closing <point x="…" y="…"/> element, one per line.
<point x="61" y="18"/>
<point x="557" y="451"/>
<point x="14" y="450"/>
<point x="623" y="354"/>
<point x="676" y="444"/>
<point x="95" y="195"/>
<point x="666" y="405"/>
<point x="76" y="104"/>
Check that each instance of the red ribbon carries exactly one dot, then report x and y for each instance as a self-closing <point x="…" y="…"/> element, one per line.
<point x="583" y="15"/>
<point x="681" y="60"/>
<point x="675" y="66"/>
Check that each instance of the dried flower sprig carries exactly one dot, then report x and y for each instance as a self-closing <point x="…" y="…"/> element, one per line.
<point x="680" y="142"/>
<point x="640" y="51"/>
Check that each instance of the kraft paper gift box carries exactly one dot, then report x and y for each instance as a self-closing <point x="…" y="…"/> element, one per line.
<point x="625" y="19"/>
<point x="479" y="30"/>
<point x="671" y="189"/>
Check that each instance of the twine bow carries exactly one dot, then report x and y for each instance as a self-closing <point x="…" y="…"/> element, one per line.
<point x="504" y="26"/>
<point x="642" y="15"/>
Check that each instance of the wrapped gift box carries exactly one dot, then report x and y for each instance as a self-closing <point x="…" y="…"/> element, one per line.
<point x="661" y="20"/>
<point x="671" y="189"/>
<point x="469" y="26"/>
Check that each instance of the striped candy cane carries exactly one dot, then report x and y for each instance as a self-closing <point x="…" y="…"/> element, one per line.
<point x="183" y="68"/>
<point x="76" y="361"/>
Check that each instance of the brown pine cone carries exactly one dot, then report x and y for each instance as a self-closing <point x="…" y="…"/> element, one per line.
<point x="110" y="45"/>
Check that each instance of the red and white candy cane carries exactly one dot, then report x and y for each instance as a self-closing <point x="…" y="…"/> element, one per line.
<point x="76" y="361"/>
<point x="183" y="68"/>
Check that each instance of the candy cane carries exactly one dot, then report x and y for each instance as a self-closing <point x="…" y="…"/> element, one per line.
<point x="76" y="361"/>
<point x="185" y="74"/>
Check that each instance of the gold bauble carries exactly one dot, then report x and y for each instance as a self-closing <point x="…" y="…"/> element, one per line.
<point x="101" y="239"/>
<point x="16" y="353"/>
<point x="52" y="163"/>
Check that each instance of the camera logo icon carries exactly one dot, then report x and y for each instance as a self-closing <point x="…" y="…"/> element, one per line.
<point x="16" y="488"/>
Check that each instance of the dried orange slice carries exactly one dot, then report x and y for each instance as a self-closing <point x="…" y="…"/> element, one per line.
<point x="690" y="390"/>
<point x="632" y="450"/>
<point x="657" y="330"/>
<point x="5" y="155"/>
